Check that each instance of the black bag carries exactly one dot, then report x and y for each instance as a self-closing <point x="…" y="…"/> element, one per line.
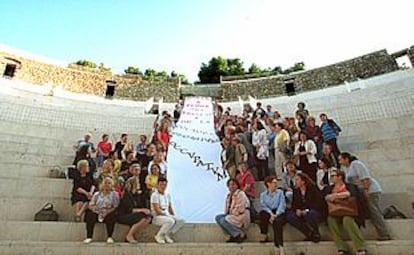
<point x="46" y="214"/>
<point x="391" y="212"/>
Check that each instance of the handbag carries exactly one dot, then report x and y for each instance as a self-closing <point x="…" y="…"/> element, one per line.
<point x="343" y="207"/>
<point x="46" y="214"/>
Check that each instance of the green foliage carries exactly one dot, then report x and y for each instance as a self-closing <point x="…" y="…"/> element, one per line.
<point x="104" y="69"/>
<point x="253" y="69"/>
<point x="219" y="66"/>
<point x="86" y="63"/>
<point x="133" y="70"/>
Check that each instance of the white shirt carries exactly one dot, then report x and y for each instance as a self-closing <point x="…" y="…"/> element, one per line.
<point x="163" y="200"/>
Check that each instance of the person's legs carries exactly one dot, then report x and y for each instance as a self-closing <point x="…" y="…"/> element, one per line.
<point x="137" y="227"/>
<point x="278" y="163"/>
<point x="264" y="222"/>
<point x="110" y="221"/>
<point x="376" y="216"/>
<point x="278" y="230"/>
<point x="91" y="218"/>
<point x="334" y="225"/>
<point x="354" y="232"/>
<point x="166" y="223"/>
<point x="179" y="223"/>
<point x="227" y="227"/>
<point x="313" y="218"/>
<point x="298" y="223"/>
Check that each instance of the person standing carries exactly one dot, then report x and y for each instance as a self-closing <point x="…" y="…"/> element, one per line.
<point x="358" y="174"/>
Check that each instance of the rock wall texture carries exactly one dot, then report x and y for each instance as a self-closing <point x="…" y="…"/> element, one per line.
<point x="134" y="87"/>
<point x="82" y="80"/>
<point x="362" y="67"/>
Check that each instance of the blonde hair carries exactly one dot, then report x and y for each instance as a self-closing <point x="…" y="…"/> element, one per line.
<point x="105" y="180"/>
<point x="81" y="163"/>
<point x="132" y="184"/>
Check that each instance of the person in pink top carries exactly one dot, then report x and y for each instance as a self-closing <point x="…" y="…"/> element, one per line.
<point x="246" y="181"/>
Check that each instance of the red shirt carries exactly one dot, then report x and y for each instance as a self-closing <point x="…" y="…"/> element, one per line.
<point x="247" y="178"/>
<point x="105" y="147"/>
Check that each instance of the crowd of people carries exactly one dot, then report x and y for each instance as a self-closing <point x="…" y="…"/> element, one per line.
<point x="307" y="180"/>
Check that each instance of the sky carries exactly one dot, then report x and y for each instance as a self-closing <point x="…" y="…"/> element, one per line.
<point x="179" y="35"/>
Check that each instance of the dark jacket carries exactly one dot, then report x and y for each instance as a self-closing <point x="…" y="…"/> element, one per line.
<point x="130" y="201"/>
<point x="362" y="202"/>
<point x="313" y="200"/>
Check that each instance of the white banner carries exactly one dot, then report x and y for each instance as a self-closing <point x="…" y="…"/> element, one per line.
<point x="196" y="180"/>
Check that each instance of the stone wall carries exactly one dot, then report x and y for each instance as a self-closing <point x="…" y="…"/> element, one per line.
<point x="90" y="82"/>
<point x="366" y="66"/>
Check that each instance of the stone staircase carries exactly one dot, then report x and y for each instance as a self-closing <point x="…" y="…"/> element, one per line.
<point x="32" y="144"/>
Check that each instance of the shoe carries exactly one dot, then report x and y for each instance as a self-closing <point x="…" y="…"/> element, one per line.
<point x="87" y="240"/>
<point x="361" y="252"/>
<point x="240" y="239"/>
<point x="77" y="218"/>
<point x="131" y="240"/>
<point x="231" y="240"/>
<point x="316" y="238"/>
<point x="265" y="240"/>
<point x="110" y="240"/>
<point x="384" y="238"/>
<point x="168" y="239"/>
<point x="159" y="239"/>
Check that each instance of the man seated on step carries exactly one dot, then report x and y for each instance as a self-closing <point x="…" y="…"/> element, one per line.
<point x="163" y="213"/>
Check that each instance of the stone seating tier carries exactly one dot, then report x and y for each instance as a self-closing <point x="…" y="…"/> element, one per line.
<point x="22" y="197"/>
<point x="400" y="247"/>
<point x="195" y="233"/>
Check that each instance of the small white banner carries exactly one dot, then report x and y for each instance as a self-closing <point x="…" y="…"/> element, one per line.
<point x="196" y="180"/>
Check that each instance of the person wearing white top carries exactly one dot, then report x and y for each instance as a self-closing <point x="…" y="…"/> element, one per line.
<point x="163" y="213"/>
<point x="305" y="149"/>
<point x="260" y="143"/>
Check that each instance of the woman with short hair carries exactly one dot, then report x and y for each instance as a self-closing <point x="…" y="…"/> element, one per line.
<point x="83" y="189"/>
<point x="133" y="209"/>
<point x="102" y="208"/>
<point x="273" y="206"/>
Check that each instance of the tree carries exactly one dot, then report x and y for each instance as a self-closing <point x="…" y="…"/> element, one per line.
<point x="235" y="67"/>
<point x="254" y="69"/>
<point x="150" y="72"/>
<point x="133" y="70"/>
<point x="103" y="68"/>
<point x="86" y="63"/>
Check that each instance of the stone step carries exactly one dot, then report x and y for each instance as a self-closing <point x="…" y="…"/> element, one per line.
<point x="36" y="158"/>
<point x="23" y="197"/>
<point x="200" y="233"/>
<point x="394" y="247"/>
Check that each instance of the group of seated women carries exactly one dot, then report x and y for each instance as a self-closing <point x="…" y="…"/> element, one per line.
<point x="129" y="207"/>
<point x="341" y="200"/>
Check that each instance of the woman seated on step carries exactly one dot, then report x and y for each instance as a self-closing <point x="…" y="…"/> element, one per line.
<point x="102" y="208"/>
<point x="83" y="189"/>
<point x="348" y="221"/>
<point x="273" y="206"/>
<point x="164" y="215"/>
<point x="133" y="209"/>
<point x="236" y="215"/>
<point x="308" y="208"/>
<point x="151" y="179"/>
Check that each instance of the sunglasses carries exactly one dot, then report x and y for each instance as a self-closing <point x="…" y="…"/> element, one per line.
<point x="333" y="175"/>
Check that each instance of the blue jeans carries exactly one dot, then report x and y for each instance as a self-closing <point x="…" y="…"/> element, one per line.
<point x="227" y="227"/>
<point x="307" y="224"/>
